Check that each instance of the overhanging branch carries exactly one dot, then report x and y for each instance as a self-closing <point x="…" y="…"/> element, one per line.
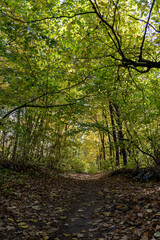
<point x="141" y="20"/>
<point x="144" y="36"/>
<point x="45" y="18"/>
<point x="29" y="103"/>
<point x="126" y="62"/>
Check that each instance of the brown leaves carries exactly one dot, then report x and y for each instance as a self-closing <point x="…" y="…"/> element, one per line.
<point x="81" y="209"/>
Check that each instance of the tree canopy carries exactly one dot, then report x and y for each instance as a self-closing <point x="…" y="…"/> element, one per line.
<point x="79" y="82"/>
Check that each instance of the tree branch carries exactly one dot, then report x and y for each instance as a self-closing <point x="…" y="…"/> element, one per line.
<point x="144" y="36"/>
<point x="116" y="41"/>
<point x="141" y="20"/>
<point x="128" y="63"/>
<point x="46" y="18"/>
<point x="27" y="104"/>
<point x="141" y="150"/>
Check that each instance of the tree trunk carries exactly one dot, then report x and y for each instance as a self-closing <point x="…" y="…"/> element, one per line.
<point x="109" y="135"/>
<point x="3" y="144"/>
<point x="114" y="133"/>
<point x="103" y="145"/>
<point x="14" y="154"/>
<point x="120" y="136"/>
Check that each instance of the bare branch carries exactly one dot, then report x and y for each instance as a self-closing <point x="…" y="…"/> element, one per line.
<point x="144" y="36"/>
<point x="46" y="18"/>
<point x="116" y="41"/>
<point x="27" y="104"/>
<point x="115" y="9"/>
<point x="140" y="149"/>
<point x="57" y="105"/>
<point x="141" y="20"/>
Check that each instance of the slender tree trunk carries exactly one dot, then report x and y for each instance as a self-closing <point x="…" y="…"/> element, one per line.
<point x="14" y="154"/>
<point x="120" y="136"/>
<point x="103" y="146"/>
<point x="3" y="144"/>
<point x="114" y="133"/>
<point x="109" y="135"/>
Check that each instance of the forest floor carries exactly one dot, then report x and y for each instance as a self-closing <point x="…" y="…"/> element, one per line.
<point x="78" y="206"/>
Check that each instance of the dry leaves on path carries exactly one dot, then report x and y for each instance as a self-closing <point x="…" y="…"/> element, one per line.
<point x="79" y="207"/>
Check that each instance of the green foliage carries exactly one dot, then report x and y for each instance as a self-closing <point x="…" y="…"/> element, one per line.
<point x="76" y="165"/>
<point x="72" y="88"/>
<point x="92" y="169"/>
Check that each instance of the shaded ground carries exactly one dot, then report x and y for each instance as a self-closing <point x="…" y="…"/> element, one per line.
<point x="78" y="207"/>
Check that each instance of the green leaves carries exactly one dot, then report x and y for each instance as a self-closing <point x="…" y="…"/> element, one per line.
<point x="64" y="58"/>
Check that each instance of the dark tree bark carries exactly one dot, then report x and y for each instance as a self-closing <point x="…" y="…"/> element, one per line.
<point x="121" y="136"/>
<point x="114" y="133"/>
<point x="14" y="154"/>
<point x="109" y="135"/>
<point x="103" y="146"/>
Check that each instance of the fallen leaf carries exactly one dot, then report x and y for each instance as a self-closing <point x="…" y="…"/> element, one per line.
<point x="124" y="238"/>
<point x="23" y="225"/>
<point x="66" y="234"/>
<point x="140" y="214"/>
<point x="157" y="234"/>
<point x="79" y="235"/>
<point x="36" y="207"/>
<point x="46" y="238"/>
<point x="149" y="210"/>
<point x="80" y="210"/>
<point x="107" y="214"/>
<point x="63" y="217"/>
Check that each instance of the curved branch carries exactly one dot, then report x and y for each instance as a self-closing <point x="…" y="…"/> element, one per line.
<point x="128" y="63"/>
<point x="27" y="104"/>
<point x="141" y="20"/>
<point x="46" y="18"/>
<point x="116" y="41"/>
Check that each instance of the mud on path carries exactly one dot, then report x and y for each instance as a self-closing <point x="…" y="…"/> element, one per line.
<point x="79" y="206"/>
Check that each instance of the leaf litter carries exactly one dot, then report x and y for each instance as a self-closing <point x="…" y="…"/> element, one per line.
<point x="82" y="207"/>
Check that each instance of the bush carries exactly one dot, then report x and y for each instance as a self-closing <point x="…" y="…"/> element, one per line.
<point x="92" y="169"/>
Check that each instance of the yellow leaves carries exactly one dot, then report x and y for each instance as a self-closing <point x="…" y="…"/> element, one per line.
<point x="102" y="2"/>
<point x="63" y="217"/>
<point x="29" y="5"/>
<point x="4" y="85"/>
<point x="107" y="214"/>
<point x="23" y="225"/>
<point x="46" y="238"/>
<point x="157" y="214"/>
<point x="80" y="235"/>
<point x="11" y="219"/>
<point x="66" y="234"/>
<point x="34" y="220"/>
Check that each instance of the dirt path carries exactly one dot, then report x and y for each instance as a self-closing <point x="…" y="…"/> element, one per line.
<point x="112" y="209"/>
<point x="79" y="207"/>
<point x="80" y="222"/>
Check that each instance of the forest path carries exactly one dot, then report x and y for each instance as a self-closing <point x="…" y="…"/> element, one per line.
<point x="78" y="207"/>
<point x="80" y="222"/>
<point x="111" y="208"/>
